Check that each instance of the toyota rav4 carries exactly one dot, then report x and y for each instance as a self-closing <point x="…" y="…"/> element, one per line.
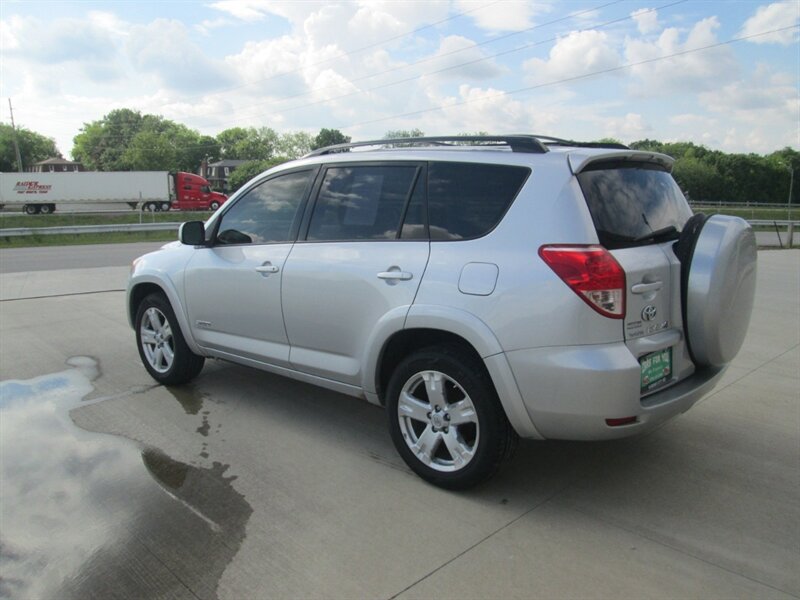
<point x="479" y="288"/>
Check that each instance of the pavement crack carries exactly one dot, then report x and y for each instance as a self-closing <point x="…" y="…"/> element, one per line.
<point x="62" y="295"/>
<point x="663" y="543"/>
<point x="539" y="504"/>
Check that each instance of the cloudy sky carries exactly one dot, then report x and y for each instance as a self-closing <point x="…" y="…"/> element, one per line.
<point x="724" y="74"/>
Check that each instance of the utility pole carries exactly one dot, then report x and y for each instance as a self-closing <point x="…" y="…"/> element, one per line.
<point x="16" y="144"/>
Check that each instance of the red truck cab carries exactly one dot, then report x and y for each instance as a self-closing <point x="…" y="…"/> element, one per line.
<point x="192" y="192"/>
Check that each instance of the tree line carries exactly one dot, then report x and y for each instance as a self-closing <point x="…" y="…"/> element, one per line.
<point x="127" y="140"/>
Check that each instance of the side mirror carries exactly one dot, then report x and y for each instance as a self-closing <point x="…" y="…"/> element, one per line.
<point x="192" y="233"/>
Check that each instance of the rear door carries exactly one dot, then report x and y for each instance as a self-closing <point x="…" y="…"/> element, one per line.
<point x="358" y="268"/>
<point x="638" y="211"/>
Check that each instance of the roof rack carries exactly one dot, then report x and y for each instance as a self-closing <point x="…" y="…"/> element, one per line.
<point x="554" y="141"/>
<point x="517" y="143"/>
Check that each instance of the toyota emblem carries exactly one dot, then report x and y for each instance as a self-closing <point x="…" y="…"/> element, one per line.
<point x="649" y="312"/>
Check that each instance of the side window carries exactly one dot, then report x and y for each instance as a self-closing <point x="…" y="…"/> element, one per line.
<point x="266" y="213"/>
<point x="361" y="202"/>
<point x="467" y="200"/>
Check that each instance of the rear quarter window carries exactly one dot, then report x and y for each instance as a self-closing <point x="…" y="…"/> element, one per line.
<point x="467" y="200"/>
<point x="629" y="201"/>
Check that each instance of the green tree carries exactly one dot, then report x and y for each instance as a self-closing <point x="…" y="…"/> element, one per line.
<point x="295" y="144"/>
<point x="699" y="180"/>
<point x="246" y="171"/>
<point x="101" y="144"/>
<point x="149" y="151"/>
<point x="125" y="140"/>
<point x="33" y="147"/>
<point x="247" y="143"/>
<point x="394" y="134"/>
<point x="329" y="137"/>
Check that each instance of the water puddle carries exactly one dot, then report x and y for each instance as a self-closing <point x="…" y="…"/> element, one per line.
<point x="86" y="514"/>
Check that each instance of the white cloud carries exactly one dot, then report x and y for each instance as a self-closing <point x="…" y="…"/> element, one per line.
<point x="646" y="20"/>
<point x="629" y="127"/>
<point x="508" y="15"/>
<point x="163" y="48"/>
<point x="60" y="41"/>
<point x="206" y="26"/>
<point x="245" y="10"/>
<point x="459" y="58"/>
<point x="579" y="53"/>
<point x="696" y="68"/>
<point x="774" y="16"/>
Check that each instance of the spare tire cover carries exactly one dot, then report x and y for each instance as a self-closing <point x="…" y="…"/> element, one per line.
<point x="720" y="286"/>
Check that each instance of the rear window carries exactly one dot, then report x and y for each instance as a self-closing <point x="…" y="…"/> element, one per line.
<point x="629" y="203"/>
<point x="467" y="200"/>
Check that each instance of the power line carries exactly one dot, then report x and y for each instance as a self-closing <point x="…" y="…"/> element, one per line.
<point x="441" y="56"/>
<point x="438" y="71"/>
<point x="575" y="78"/>
<point x="424" y="60"/>
<point x="351" y="52"/>
<point x="566" y="79"/>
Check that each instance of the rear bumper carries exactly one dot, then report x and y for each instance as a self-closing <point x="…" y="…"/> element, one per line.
<point x="569" y="392"/>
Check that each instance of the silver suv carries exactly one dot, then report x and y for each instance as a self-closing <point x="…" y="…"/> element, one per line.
<point x="480" y="288"/>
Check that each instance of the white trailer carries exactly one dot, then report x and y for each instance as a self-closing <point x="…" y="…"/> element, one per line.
<point x="35" y="193"/>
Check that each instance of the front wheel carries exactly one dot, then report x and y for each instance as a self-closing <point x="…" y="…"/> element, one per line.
<point x="445" y="418"/>
<point x="214" y="205"/>
<point x="162" y="347"/>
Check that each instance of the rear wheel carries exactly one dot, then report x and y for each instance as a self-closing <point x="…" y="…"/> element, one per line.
<point x="165" y="206"/>
<point x="445" y="418"/>
<point x="31" y="209"/>
<point x="161" y="344"/>
<point x="46" y="209"/>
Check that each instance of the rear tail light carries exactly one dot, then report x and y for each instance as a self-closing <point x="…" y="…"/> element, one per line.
<point x="592" y="273"/>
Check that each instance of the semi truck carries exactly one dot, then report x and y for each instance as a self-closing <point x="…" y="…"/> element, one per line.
<point x="42" y="193"/>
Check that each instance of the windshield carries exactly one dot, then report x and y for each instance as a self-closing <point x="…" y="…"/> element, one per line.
<point x="633" y="204"/>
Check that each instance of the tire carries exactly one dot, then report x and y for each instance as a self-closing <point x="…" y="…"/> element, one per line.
<point x="165" y="206"/>
<point x="46" y="209"/>
<point x="31" y="209"/>
<point x="214" y="205"/>
<point x="457" y="438"/>
<point x="718" y="257"/>
<point x="150" y="207"/>
<point x="161" y="344"/>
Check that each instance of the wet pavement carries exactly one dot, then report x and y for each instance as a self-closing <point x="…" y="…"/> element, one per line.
<point x="248" y="485"/>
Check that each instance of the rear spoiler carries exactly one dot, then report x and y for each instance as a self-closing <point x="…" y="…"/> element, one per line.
<point x="579" y="161"/>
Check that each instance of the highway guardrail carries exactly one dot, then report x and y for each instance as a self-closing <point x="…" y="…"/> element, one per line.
<point x="77" y="229"/>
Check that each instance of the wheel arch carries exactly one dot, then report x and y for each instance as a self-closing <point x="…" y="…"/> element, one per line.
<point x="428" y="326"/>
<point x="145" y="286"/>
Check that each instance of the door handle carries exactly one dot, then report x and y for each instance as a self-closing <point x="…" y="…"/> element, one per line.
<point x="395" y="275"/>
<point x="267" y="268"/>
<point x="643" y="288"/>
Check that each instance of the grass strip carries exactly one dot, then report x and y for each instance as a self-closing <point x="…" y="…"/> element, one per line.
<point x="87" y="238"/>
<point x="11" y="220"/>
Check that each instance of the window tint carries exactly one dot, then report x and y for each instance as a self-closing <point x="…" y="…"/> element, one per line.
<point x="361" y="202"/>
<point x="266" y="213"/>
<point x="467" y="200"/>
<point x="628" y="202"/>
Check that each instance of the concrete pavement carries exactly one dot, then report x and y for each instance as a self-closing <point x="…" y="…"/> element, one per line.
<point x="247" y="485"/>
